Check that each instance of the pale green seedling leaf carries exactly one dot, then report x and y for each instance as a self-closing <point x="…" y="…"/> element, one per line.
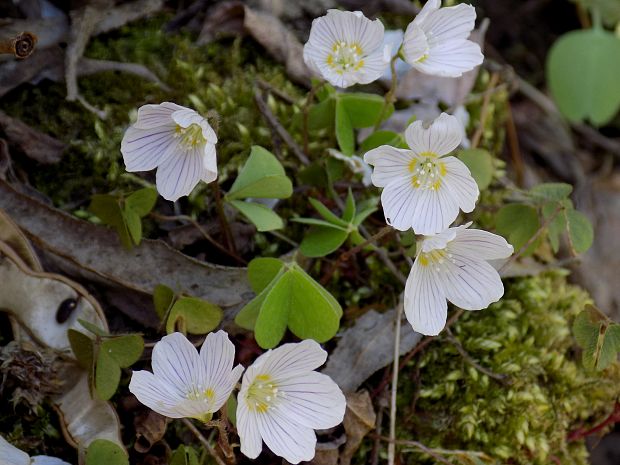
<point x="104" y="452"/>
<point x="518" y="223"/>
<point x="262" y="176"/>
<point x="327" y="214"/>
<point x="344" y="129"/>
<point x="320" y="241"/>
<point x="142" y="201"/>
<point x="107" y="375"/>
<point x="580" y="232"/>
<point x="163" y="297"/>
<point x="124" y="350"/>
<point x="480" y="164"/>
<point x="582" y="73"/>
<point x="196" y="315"/>
<point x="263" y="217"/>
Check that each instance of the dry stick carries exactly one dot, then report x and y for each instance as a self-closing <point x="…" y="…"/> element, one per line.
<point x="433" y="453"/>
<point x="221" y="213"/>
<point x="203" y="231"/>
<point x="469" y="359"/>
<point x="344" y="256"/>
<point x="484" y="113"/>
<point x="395" y="370"/>
<point x="278" y="128"/>
<point x="513" y="144"/>
<point x="275" y="91"/>
<point x="210" y="449"/>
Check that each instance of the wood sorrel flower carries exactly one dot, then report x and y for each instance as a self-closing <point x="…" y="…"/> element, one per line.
<point x="282" y="400"/>
<point x="177" y="141"/>
<point x="184" y="383"/>
<point x="346" y="48"/>
<point x="11" y="455"/>
<point x="453" y="265"/>
<point x="424" y="189"/>
<point x="436" y="41"/>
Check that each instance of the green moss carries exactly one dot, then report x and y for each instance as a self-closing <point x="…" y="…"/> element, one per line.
<point x="547" y="393"/>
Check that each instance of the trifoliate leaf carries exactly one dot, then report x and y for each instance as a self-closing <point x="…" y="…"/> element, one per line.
<point x="107" y="375"/>
<point x="320" y="241"/>
<point x="142" y="201"/>
<point x="82" y="347"/>
<point x="263" y="217"/>
<point x="382" y="137"/>
<point x="134" y="224"/>
<point x="364" y="110"/>
<point x="197" y="316"/>
<point x="103" y="452"/>
<point x="163" y="297"/>
<point x="124" y="350"/>
<point x="551" y="191"/>
<point x="480" y="164"/>
<point x="518" y="223"/>
<point x="108" y="210"/>
<point x="349" y="207"/>
<point x="557" y="223"/>
<point x="580" y="232"/>
<point x="261" y="271"/>
<point x="344" y="129"/>
<point x="600" y="340"/>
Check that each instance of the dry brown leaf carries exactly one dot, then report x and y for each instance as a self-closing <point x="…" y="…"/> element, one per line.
<point x="150" y="428"/>
<point x="359" y="419"/>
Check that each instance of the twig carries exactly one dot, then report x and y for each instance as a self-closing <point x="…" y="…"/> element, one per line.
<point x="484" y="112"/>
<point x="612" y="419"/>
<point x="469" y="359"/>
<point x="432" y="452"/>
<point x="344" y="256"/>
<point x="278" y="128"/>
<point x="395" y="370"/>
<point x="275" y="91"/>
<point x="210" y="449"/>
<point x="513" y="145"/>
<point x="221" y="213"/>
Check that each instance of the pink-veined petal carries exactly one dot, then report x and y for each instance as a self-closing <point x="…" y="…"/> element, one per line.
<point x="429" y="7"/>
<point x="176" y="361"/>
<point x="247" y="427"/>
<point x="425" y="303"/>
<point x="179" y="175"/>
<point x="293" y="359"/>
<point x="389" y="164"/>
<point x="153" y="116"/>
<point x="400" y="200"/>
<point x="46" y="460"/>
<point x="481" y="244"/>
<point x="440" y="138"/>
<point x="415" y="44"/>
<point x="435" y="211"/>
<point x="374" y="66"/>
<point x="186" y="117"/>
<point x="449" y="23"/>
<point x="156" y="394"/>
<point x="460" y="182"/>
<point x="218" y="355"/>
<point x="146" y="149"/>
<point x="294" y="443"/>
<point x="451" y="59"/>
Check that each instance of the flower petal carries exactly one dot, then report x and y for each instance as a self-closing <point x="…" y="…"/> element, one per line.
<point x="481" y="244"/>
<point x="450" y="23"/>
<point x="153" y="116"/>
<point x="146" y="149"/>
<point x="470" y="283"/>
<point x="399" y="200"/>
<point x="459" y="181"/>
<point x="425" y="302"/>
<point x="292" y="359"/>
<point x="429" y="7"/>
<point x="186" y="117"/>
<point x="247" y="427"/>
<point x="374" y="66"/>
<point x="286" y="439"/>
<point x="389" y="164"/>
<point x="176" y="361"/>
<point x="312" y="400"/>
<point x="178" y="176"/>
<point x="442" y="136"/>
<point x="451" y="59"/>
<point x="11" y="455"/>
<point x="435" y="210"/>
<point x="415" y="44"/>
<point x="45" y="460"/>
<point x="157" y="394"/>
<point x="218" y="355"/>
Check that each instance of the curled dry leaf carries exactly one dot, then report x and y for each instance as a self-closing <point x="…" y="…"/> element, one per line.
<point x="359" y="419"/>
<point x="33" y="299"/>
<point x="236" y="18"/>
<point x="82" y="249"/>
<point x="150" y="429"/>
<point x="366" y="347"/>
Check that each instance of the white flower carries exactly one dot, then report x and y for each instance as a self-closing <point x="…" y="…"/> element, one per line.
<point x="436" y="40"/>
<point x="177" y="141"/>
<point x="11" y="455"/>
<point x="346" y="48"/>
<point x="282" y="400"/>
<point x="424" y="190"/>
<point x="356" y="164"/>
<point x="184" y="383"/>
<point x="453" y="265"/>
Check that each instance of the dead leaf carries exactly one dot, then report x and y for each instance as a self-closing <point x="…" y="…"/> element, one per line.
<point x="82" y="249"/>
<point x="359" y="419"/>
<point x="234" y="18"/>
<point x="366" y="347"/>
<point x="150" y="428"/>
<point x="34" y="144"/>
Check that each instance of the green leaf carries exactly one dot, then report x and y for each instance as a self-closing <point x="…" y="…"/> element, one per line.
<point x="363" y="214"/>
<point x="142" y="201"/>
<point x="480" y="164"/>
<point x="108" y="210"/>
<point x="82" y="347"/>
<point x="580" y="232"/>
<point x="327" y="214"/>
<point x="262" y="176"/>
<point x="317" y="222"/>
<point x="247" y="316"/>
<point x="321" y="115"/>
<point x="582" y="72"/>
<point x="600" y="341"/>
<point x="364" y="110"/>
<point x="273" y="316"/>
<point x="261" y="271"/>
<point x="231" y="409"/>
<point x="320" y="241"/>
<point x="551" y="191"/>
<point x="263" y="217"/>
<point x="197" y="316"/>
<point x="184" y="455"/>
<point x="163" y="297"/>
<point x="104" y="452"/>
<point x="349" y="208"/>
<point x="557" y="225"/>
<point x="107" y="375"/>
<point x="379" y="138"/>
<point x="134" y="224"/>
<point x="518" y="223"/>
<point x="93" y="328"/>
<point x="124" y="350"/>
<point x="344" y="129"/>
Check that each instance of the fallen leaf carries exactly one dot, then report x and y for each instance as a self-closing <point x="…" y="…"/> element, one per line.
<point x="359" y="419"/>
<point x="150" y="428"/>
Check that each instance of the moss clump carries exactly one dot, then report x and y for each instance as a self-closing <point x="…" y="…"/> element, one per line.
<point x="547" y="394"/>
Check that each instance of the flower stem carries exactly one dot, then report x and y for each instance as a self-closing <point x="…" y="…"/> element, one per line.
<point x="306" y="113"/>
<point x="390" y="96"/>
<point x="395" y="370"/>
<point x="226" y="231"/>
<point x="210" y="449"/>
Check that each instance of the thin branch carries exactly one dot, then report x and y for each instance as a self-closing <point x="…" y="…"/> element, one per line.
<point x="395" y="370"/>
<point x="210" y="449"/>
<point x="272" y="120"/>
<point x="484" y="112"/>
<point x="344" y="256"/>
<point x="275" y="91"/>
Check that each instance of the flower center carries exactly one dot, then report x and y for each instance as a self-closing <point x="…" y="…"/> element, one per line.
<point x="345" y="57"/>
<point x="436" y="259"/>
<point x="263" y="394"/>
<point x="428" y="172"/>
<point x="190" y="136"/>
<point x="199" y="393"/>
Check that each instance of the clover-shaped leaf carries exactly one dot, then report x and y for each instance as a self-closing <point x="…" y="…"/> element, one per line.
<point x="104" y="452"/>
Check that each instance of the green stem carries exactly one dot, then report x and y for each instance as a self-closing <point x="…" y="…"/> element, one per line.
<point x="390" y="95"/>
<point x="306" y="113"/>
<point x="597" y="22"/>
